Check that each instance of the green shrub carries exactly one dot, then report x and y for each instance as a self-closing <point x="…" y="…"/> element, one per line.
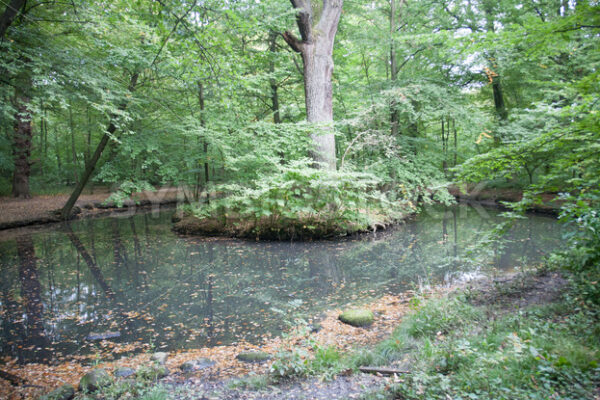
<point x="440" y="316"/>
<point x="301" y="201"/>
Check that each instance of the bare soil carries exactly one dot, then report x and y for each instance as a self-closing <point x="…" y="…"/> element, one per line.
<point x="17" y="212"/>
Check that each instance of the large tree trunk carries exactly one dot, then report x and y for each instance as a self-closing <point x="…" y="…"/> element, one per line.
<point x="9" y="15"/>
<point x="23" y="133"/>
<point x="316" y="47"/>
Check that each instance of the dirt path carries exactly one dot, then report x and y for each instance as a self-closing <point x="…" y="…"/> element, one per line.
<point x="340" y="387"/>
<point x="16" y="213"/>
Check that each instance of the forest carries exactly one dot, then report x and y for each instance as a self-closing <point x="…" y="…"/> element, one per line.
<point x="301" y="123"/>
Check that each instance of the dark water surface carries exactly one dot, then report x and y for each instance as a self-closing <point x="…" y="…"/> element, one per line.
<point x="134" y="278"/>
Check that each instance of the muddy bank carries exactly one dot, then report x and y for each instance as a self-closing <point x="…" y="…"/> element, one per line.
<point x="493" y="197"/>
<point x="267" y="229"/>
<point x="39" y="210"/>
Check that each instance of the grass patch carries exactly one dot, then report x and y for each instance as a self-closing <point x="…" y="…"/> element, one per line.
<point x="539" y="352"/>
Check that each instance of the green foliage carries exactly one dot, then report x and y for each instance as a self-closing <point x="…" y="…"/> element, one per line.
<point x="439" y="317"/>
<point x="298" y="200"/>
<point x="536" y="353"/>
<point x="323" y="362"/>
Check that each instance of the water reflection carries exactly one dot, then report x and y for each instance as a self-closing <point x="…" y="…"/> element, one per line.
<point x="135" y="280"/>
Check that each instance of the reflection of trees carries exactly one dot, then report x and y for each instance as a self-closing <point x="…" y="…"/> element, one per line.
<point x="221" y="288"/>
<point x="31" y="294"/>
<point x="91" y="263"/>
<point x="13" y="329"/>
<point x="129" y="321"/>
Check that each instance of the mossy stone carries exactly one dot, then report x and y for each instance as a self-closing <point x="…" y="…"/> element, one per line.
<point x="253" y="356"/>
<point x="159" y="357"/>
<point x="358" y="317"/>
<point x="65" y="392"/>
<point x="196" y="365"/>
<point x="94" y="380"/>
<point x="123" y="372"/>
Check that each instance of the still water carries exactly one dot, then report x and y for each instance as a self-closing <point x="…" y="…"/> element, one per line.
<point x="134" y="279"/>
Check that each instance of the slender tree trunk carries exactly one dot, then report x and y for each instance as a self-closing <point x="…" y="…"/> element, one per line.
<point x="494" y="75"/>
<point x="455" y="142"/>
<point x="66" y="211"/>
<point x="23" y="133"/>
<point x="204" y="143"/>
<point x="393" y="67"/>
<point x="57" y="152"/>
<point x="73" y="151"/>
<point x="316" y="48"/>
<point x="273" y="81"/>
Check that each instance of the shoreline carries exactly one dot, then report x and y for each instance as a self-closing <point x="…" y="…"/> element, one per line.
<point x="228" y="371"/>
<point x="389" y="310"/>
<point x="40" y="210"/>
<point x="92" y="206"/>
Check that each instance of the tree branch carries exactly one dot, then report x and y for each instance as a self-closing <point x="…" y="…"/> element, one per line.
<point x="292" y="41"/>
<point x="304" y="19"/>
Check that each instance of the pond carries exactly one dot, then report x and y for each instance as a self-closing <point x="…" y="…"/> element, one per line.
<point x="135" y="282"/>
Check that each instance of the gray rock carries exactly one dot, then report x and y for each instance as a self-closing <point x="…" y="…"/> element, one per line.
<point x="253" y="356"/>
<point x="196" y="365"/>
<point x="159" y="357"/>
<point x="65" y="392"/>
<point x="123" y="372"/>
<point x="94" y="380"/>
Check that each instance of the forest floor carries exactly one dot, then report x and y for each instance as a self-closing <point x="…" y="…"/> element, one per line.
<point x="16" y="212"/>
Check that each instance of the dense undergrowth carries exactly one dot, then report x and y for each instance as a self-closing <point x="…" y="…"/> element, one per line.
<point x="300" y="202"/>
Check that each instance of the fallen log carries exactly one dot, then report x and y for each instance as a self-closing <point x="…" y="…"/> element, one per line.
<point x="382" y="371"/>
<point x="13" y="379"/>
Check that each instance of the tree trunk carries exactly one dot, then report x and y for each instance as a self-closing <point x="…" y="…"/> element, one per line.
<point x="273" y="81"/>
<point x="316" y="48"/>
<point x="23" y="133"/>
<point x="318" y="68"/>
<point x="73" y="150"/>
<point x="9" y="15"/>
<point x="393" y="67"/>
<point x="494" y="75"/>
<point x="204" y="144"/>
<point x="66" y="211"/>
